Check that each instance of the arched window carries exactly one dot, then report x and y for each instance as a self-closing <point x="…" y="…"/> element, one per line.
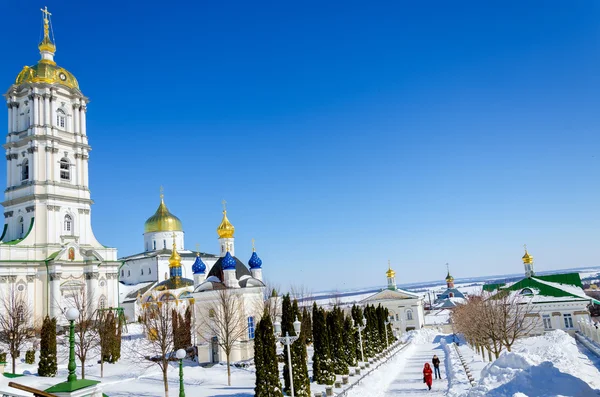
<point x="25" y="170"/>
<point x="128" y="273"/>
<point x="409" y="315"/>
<point x="68" y="224"/>
<point x="526" y="291"/>
<point x="21" y="226"/>
<point x="142" y="272"/>
<point x="61" y="118"/>
<point x="149" y="270"/>
<point x="122" y="273"/>
<point x="65" y="169"/>
<point x="154" y="245"/>
<point x="102" y="303"/>
<point x="165" y="244"/>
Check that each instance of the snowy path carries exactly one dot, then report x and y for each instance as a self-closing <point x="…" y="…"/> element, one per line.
<point x="409" y="380"/>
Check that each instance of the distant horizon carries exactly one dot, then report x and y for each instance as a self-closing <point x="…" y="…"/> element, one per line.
<point x="341" y="134"/>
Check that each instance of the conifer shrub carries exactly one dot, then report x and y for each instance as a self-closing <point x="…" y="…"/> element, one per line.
<point x="265" y="360"/>
<point x="30" y="357"/>
<point x="47" y="365"/>
<point x="322" y="364"/>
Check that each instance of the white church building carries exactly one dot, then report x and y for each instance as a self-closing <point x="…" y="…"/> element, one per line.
<point x="48" y="250"/>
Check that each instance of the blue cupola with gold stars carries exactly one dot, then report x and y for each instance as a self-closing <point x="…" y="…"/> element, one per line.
<point x="198" y="267"/>
<point x="228" y="262"/>
<point x="255" y="264"/>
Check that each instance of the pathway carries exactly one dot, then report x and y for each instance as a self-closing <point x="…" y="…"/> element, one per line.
<point x="409" y="378"/>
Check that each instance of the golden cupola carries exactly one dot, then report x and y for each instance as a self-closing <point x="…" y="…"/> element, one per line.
<point x="225" y="229"/>
<point x="175" y="258"/>
<point x="162" y="220"/>
<point x="46" y="70"/>
<point x="390" y="273"/>
<point x="527" y="259"/>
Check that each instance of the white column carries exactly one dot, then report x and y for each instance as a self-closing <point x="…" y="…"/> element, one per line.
<point x="10" y="116"/>
<point x="33" y="166"/>
<point x="52" y="110"/>
<point x="8" y="170"/>
<point x="92" y="290"/>
<point x="83" y="125"/>
<point x="55" y="298"/>
<point x="84" y="168"/>
<point x="48" y="149"/>
<point x="76" y="120"/>
<point x="35" y="108"/>
<point x="79" y="170"/>
<point x="15" y="117"/>
<point x="46" y="110"/>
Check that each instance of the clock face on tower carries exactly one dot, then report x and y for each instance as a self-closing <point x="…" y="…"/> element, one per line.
<point x="62" y="76"/>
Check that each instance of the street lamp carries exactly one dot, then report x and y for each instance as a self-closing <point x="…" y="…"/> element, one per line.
<point x="287" y="340"/>
<point x="180" y="354"/>
<point x="72" y="314"/>
<point x="360" y="329"/>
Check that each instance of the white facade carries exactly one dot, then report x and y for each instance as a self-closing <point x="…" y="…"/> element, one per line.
<point x="558" y="315"/>
<point x="48" y="249"/>
<point x="405" y="308"/>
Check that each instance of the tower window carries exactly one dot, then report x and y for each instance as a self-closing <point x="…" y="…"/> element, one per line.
<point x="21" y="226"/>
<point x="60" y="118"/>
<point x="164" y="244"/>
<point x="25" y="170"/>
<point x="65" y="170"/>
<point x="154" y="245"/>
<point x="68" y="223"/>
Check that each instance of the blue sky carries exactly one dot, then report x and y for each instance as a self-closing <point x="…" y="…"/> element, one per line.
<point x="342" y="134"/>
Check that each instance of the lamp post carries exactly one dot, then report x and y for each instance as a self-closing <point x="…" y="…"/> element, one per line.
<point x="360" y="329"/>
<point x="72" y="314"/>
<point x="180" y="354"/>
<point x="287" y="340"/>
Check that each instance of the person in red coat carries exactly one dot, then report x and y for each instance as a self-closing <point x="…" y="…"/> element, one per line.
<point x="427" y="375"/>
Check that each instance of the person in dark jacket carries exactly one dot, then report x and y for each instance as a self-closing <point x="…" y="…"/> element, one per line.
<point x="436" y="366"/>
<point x="427" y="375"/>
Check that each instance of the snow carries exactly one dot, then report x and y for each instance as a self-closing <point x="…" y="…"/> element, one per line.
<point x="547" y="365"/>
<point x="438" y="318"/>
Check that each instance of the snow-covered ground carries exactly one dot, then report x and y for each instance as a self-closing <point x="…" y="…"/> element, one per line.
<point x="547" y="365"/>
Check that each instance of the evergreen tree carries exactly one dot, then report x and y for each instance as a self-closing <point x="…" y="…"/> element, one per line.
<point x="116" y="347"/>
<point x="306" y="326"/>
<point x="111" y="342"/>
<point x="335" y="327"/>
<point x="381" y="317"/>
<point x="390" y="332"/>
<point x="357" y="316"/>
<point x="287" y="322"/>
<point x="47" y="365"/>
<point x="349" y="342"/>
<point x="188" y="326"/>
<point x="265" y="360"/>
<point x="299" y="358"/>
<point x="322" y="364"/>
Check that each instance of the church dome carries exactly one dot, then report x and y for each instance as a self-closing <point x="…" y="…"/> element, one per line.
<point x="198" y="267"/>
<point x="255" y="262"/>
<point x="390" y="273"/>
<point x="162" y="220"/>
<point x="46" y="70"/>
<point x="225" y="229"/>
<point x="449" y="278"/>
<point x="229" y="262"/>
<point x="527" y="258"/>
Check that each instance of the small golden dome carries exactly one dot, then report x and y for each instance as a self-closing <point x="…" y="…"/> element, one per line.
<point x="390" y="273"/>
<point x="162" y="220"/>
<point x="449" y="278"/>
<point x="225" y="229"/>
<point x="175" y="259"/>
<point x="527" y="258"/>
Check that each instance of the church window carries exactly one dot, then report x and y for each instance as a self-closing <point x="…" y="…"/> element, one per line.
<point x="60" y="118"/>
<point x="102" y="283"/>
<point x="25" y="170"/>
<point x="149" y="270"/>
<point x="68" y="223"/>
<point x="165" y="244"/>
<point x="102" y="303"/>
<point x="128" y="273"/>
<point x="21" y="287"/>
<point x="397" y="317"/>
<point x="21" y="226"/>
<point x="547" y="321"/>
<point x="409" y="314"/>
<point x="451" y="295"/>
<point x="154" y="245"/>
<point x="142" y="271"/>
<point x="568" y="320"/>
<point x="122" y="273"/>
<point x="65" y="170"/>
<point x="526" y="291"/>
<point x="250" y="327"/>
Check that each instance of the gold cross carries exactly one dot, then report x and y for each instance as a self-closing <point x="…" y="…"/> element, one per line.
<point x="45" y="11"/>
<point x="162" y="192"/>
<point x="448" y="267"/>
<point x="525" y="246"/>
<point x="224" y="205"/>
<point x="198" y="248"/>
<point x="253" y="249"/>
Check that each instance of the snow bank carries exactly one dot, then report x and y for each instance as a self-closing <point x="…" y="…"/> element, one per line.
<point x="423" y="336"/>
<point x="547" y="365"/>
<point x="458" y="382"/>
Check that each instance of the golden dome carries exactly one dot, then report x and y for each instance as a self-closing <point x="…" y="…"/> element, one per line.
<point x="46" y="70"/>
<point x="225" y="229"/>
<point x="449" y="278"/>
<point x="175" y="259"/>
<point x="390" y="273"/>
<point x="527" y="258"/>
<point x="162" y="220"/>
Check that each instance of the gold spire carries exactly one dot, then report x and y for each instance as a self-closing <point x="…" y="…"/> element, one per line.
<point x="175" y="259"/>
<point x="527" y="258"/>
<point x="390" y="273"/>
<point x="46" y="44"/>
<point x="449" y="278"/>
<point x="253" y="248"/>
<point x="162" y="220"/>
<point x="225" y="229"/>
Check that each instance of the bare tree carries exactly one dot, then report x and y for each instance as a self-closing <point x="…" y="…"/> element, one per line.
<point x="272" y="300"/>
<point x="85" y="330"/>
<point x="224" y="318"/>
<point x="302" y="294"/>
<point x="157" y="320"/>
<point x="16" y="325"/>
<point x="520" y="317"/>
